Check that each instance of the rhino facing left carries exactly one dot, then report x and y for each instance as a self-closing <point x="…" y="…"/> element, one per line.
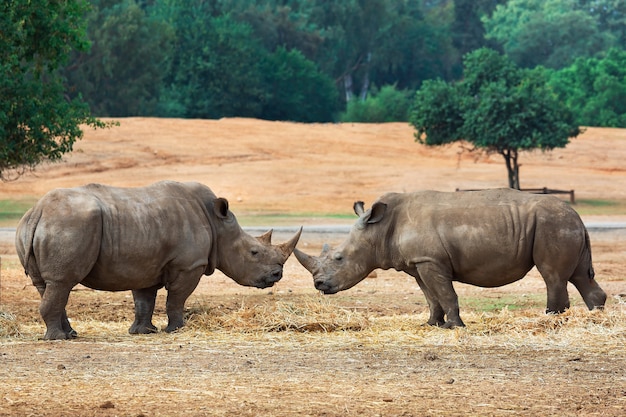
<point x="167" y="234"/>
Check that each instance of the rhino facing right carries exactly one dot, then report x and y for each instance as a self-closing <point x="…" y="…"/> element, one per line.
<point x="142" y="239"/>
<point x="485" y="238"/>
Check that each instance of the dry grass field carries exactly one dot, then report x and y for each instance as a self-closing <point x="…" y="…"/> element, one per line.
<point x="288" y="350"/>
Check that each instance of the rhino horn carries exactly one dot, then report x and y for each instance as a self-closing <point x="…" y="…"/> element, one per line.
<point x="288" y="247"/>
<point x="266" y="237"/>
<point x="307" y="261"/>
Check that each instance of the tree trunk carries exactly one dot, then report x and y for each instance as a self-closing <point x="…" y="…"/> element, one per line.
<point x="347" y="85"/>
<point x="510" y="156"/>
<point x="366" y="78"/>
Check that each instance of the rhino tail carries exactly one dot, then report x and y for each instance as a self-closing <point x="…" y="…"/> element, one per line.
<point x="27" y="235"/>
<point x="587" y="256"/>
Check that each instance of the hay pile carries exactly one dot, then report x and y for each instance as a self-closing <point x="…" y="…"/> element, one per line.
<point x="9" y="327"/>
<point x="310" y="314"/>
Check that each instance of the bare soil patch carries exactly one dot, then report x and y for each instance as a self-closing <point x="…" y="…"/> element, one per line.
<point x="359" y="352"/>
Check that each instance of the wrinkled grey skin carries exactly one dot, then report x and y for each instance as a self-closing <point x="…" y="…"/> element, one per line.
<point x="485" y="238"/>
<point x="142" y="239"/>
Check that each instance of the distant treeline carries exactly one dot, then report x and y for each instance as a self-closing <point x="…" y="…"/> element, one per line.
<point x="327" y="60"/>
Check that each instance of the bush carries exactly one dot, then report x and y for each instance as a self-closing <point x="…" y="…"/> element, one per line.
<point x="386" y="105"/>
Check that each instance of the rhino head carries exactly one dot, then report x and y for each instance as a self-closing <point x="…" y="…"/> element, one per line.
<point x="345" y="266"/>
<point x="249" y="261"/>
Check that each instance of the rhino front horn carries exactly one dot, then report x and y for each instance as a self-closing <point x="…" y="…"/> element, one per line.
<point x="288" y="247"/>
<point x="307" y="261"/>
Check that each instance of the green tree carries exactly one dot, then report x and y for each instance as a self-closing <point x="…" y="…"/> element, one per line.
<point x="551" y="33"/>
<point x="216" y="65"/>
<point x="296" y="90"/>
<point x="497" y="108"/>
<point x="594" y="89"/>
<point x="122" y="74"/>
<point x="37" y="122"/>
<point x="467" y="29"/>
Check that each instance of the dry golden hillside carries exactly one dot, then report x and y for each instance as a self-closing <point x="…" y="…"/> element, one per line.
<point x="264" y="166"/>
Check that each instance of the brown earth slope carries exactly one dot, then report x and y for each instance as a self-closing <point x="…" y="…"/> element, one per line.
<point x="266" y="166"/>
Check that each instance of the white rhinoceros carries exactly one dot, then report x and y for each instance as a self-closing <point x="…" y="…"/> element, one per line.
<point x="485" y="238"/>
<point x="142" y="239"/>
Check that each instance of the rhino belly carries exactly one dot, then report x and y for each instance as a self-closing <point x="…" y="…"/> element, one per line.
<point x="119" y="278"/>
<point x="494" y="274"/>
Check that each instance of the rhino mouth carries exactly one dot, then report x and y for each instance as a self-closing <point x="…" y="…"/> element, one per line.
<point x="270" y="280"/>
<point x="325" y="287"/>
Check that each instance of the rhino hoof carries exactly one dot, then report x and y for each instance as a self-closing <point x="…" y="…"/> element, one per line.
<point x="145" y="329"/>
<point x="451" y="325"/>
<point x="58" y="335"/>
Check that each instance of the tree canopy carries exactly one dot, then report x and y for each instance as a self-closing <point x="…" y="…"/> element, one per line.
<point x="37" y="122"/>
<point x="594" y="89"/>
<point x="276" y="59"/>
<point x="497" y="108"/>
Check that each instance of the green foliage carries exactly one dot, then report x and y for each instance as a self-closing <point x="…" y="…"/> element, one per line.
<point x="594" y="89"/>
<point x="37" y="122"/>
<point x="436" y="113"/>
<point x="296" y="90"/>
<point x="122" y="74"/>
<point x="220" y="58"/>
<point x="497" y="107"/>
<point x="547" y="32"/>
<point x="215" y="67"/>
<point x="386" y="105"/>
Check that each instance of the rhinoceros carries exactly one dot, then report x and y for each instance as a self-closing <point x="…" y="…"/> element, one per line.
<point x="485" y="238"/>
<point x="167" y="235"/>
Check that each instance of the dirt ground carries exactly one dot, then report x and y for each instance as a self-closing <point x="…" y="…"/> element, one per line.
<point x="511" y="359"/>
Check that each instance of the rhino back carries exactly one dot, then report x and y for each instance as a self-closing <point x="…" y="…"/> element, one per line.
<point x="487" y="238"/>
<point x="148" y="231"/>
<point x="118" y="239"/>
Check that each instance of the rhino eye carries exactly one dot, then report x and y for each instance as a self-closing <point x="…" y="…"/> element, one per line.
<point x="254" y="252"/>
<point x="338" y="257"/>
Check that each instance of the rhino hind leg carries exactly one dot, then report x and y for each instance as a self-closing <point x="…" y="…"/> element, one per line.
<point x="588" y="288"/>
<point x="145" y="300"/>
<point x="441" y="297"/>
<point x="52" y="309"/>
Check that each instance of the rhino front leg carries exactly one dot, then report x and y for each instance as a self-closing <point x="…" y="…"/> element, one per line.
<point x="145" y="300"/>
<point x="439" y="285"/>
<point x="52" y="310"/>
<point x="436" y="311"/>
<point x="177" y="293"/>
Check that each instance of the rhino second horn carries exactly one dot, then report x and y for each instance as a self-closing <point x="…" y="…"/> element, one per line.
<point x="288" y="247"/>
<point x="266" y="237"/>
<point x="307" y="261"/>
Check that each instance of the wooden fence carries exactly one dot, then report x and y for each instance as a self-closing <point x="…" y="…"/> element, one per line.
<point x="544" y="190"/>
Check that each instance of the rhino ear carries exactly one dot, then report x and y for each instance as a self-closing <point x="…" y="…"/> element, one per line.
<point x="376" y="213"/>
<point x="266" y="238"/>
<point x="220" y="206"/>
<point x="359" y="208"/>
